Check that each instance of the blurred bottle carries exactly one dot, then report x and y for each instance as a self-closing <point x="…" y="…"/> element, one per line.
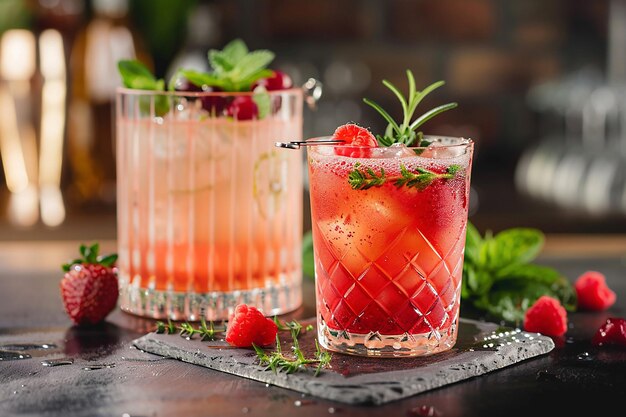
<point x="107" y="37"/>
<point x="202" y="32"/>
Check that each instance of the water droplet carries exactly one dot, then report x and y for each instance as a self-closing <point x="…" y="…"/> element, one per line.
<point x="585" y="356"/>
<point x="245" y="410"/>
<point x="58" y="362"/>
<point x="98" y="366"/>
<point x="28" y="346"/>
<point x="7" y="355"/>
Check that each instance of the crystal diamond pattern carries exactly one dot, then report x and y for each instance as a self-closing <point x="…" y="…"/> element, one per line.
<point x="421" y="296"/>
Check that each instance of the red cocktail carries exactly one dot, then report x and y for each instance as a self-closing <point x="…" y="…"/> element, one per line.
<point x="389" y="235"/>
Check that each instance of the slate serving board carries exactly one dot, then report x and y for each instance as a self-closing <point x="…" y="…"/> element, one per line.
<point x="481" y="347"/>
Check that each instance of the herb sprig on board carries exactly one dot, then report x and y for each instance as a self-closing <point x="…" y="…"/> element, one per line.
<point x="275" y="360"/>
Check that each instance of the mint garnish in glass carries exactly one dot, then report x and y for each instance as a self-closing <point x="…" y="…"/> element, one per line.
<point x="234" y="69"/>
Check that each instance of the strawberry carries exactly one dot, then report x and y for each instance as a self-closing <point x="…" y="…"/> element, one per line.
<point x="356" y="141"/>
<point x="248" y="325"/>
<point x="593" y="293"/>
<point x="546" y="316"/>
<point x="89" y="287"/>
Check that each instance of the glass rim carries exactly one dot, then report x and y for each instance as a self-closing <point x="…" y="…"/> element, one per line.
<point x="462" y="142"/>
<point x="139" y="92"/>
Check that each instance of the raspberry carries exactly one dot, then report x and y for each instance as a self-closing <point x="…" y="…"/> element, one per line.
<point x="248" y="325"/>
<point x="277" y="81"/>
<point x="593" y="293"/>
<point x="546" y="316"/>
<point x="243" y="108"/>
<point x="356" y="141"/>
<point x="612" y="332"/>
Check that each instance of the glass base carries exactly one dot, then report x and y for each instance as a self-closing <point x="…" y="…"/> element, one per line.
<point x="380" y="345"/>
<point x="214" y="306"/>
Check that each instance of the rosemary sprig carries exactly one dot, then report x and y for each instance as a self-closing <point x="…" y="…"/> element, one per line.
<point x="406" y="132"/>
<point x="277" y="361"/>
<point x="365" y="178"/>
<point x="293" y="326"/>
<point x="206" y="331"/>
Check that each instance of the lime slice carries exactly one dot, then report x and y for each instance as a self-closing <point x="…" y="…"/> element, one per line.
<point x="269" y="184"/>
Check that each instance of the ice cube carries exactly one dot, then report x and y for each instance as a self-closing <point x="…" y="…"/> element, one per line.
<point x="438" y="150"/>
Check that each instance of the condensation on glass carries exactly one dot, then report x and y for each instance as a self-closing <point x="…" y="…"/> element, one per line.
<point x="209" y="211"/>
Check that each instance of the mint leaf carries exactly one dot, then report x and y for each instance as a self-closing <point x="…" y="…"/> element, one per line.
<point x="473" y="243"/>
<point x="263" y="103"/>
<point x="512" y="246"/>
<point x="235" y="50"/>
<point x="252" y="63"/>
<point x="308" y="262"/>
<point x="201" y="78"/>
<point x="219" y="62"/>
<point x="500" y="279"/>
<point x="136" y="75"/>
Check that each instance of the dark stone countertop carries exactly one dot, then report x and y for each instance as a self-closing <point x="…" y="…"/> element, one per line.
<point x="110" y="378"/>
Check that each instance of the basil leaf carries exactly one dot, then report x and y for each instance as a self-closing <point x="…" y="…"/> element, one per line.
<point x="512" y="246"/>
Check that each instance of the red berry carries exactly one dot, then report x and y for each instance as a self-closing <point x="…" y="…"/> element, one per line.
<point x="546" y="316"/>
<point x="356" y="141"/>
<point x="278" y="81"/>
<point x="593" y="293"/>
<point x="248" y="325"/>
<point x="89" y="287"/>
<point x="243" y="108"/>
<point x="612" y="332"/>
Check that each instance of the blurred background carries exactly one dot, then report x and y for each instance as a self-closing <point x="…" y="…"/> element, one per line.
<point x="541" y="87"/>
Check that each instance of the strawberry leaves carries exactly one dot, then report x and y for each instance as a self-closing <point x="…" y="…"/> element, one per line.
<point x="90" y="255"/>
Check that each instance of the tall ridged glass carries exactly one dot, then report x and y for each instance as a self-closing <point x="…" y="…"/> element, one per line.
<point x="209" y="212"/>
<point x="388" y="245"/>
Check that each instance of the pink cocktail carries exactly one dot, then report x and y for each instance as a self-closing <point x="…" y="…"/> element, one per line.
<point x="388" y="229"/>
<point x="209" y="211"/>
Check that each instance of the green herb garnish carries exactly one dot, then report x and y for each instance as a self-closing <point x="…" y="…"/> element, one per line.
<point x="365" y="178"/>
<point x="234" y="68"/>
<point x="137" y="76"/>
<point x="205" y="331"/>
<point x="500" y="278"/>
<point x="277" y="361"/>
<point x="406" y="131"/>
